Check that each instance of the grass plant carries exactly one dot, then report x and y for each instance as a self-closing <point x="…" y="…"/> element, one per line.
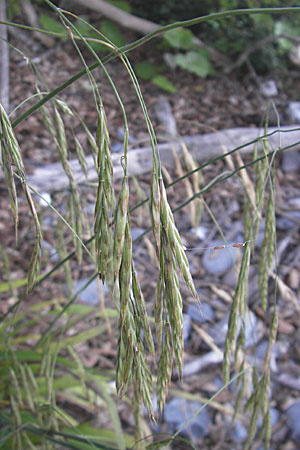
<point x="42" y="376"/>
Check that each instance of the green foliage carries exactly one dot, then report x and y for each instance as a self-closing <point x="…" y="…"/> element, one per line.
<point x="170" y="11"/>
<point x="113" y="33"/>
<point x="109" y="29"/>
<point x="181" y="38"/>
<point x="52" y="25"/>
<point x="196" y="62"/>
<point x="162" y="82"/>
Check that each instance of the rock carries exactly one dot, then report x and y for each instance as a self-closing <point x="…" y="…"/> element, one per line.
<point x="293" y="112"/>
<point x="217" y="262"/>
<point x="179" y="410"/>
<point x="218" y="332"/>
<point x="239" y="431"/>
<point x="293" y="414"/>
<point x="294" y="55"/>
<point x="269" y="88"/>
<point x="49" y="221"/>
<point x="45" y="200"/>
<point x="136" y="232"/>
<point x="50" y="251"/>
<point x="290" y="161"/>
<point x="260" y="352"/>
<point x="200" y="232"/>
<point x="284" y="223"/>
<point x="294" y="202"/>
<point x="90" y="295"/>
<point x="274" y="413"/>
<point x="201" y="314"/>
<point x="187" y="326"/>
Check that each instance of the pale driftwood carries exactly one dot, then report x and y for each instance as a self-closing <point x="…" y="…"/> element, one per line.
<point x="4" y="59"/>
<point x="121" y="17"/>
<point x="52" y="178"/>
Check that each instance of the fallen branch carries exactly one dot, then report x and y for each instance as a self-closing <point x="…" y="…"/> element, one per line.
<point x="52" y="178"/>
<point x="4" y="59"/>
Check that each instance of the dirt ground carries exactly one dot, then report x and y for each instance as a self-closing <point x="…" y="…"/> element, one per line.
<point x="199" y="106"/>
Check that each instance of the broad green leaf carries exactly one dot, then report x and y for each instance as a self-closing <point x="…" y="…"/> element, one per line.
<point x="263" y="19"/>
<point x="80" y="337"/>
<point x="180" y="38"/>
<point x="146" y="70"/>
<point x="196" y="62"/>
<point x="282" y="27"/>
<point x="6" y="286"/>
<point x="113" y="33"/>
<point x="52" y="25"/>
<point x="164" y="84"/>
<point x="102" y="435"/>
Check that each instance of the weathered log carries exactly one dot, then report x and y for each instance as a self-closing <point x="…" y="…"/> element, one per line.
<point x="52" y="178"/>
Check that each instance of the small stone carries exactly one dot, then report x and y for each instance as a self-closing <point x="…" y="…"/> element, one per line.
<point x="269" y="88"/>
<point x="90" y="295"/>
<point x="45" y="200"/>
<point x="239" y="431"/>
<point x="136" y="232"/>
<point x="290" y="161"/>
<point x="219" y="261"/>
<point x="284" y="223"/>
<point x="293" y="278"/>
<point x="294" y="55"/>
<point x="293" y="112"/>
<point x="201" y="314"/>
<point x="293" y="414"/>
<point x="294" y="202"/>
<point x="179" y="410"/>
<point x="50" y="251"/>
<point x="200" y="232"/>
<point x="187" y="326"/>
<point x="260" y="352"/>
<point x="274" y="413"/>
<point x="218" y="332"/>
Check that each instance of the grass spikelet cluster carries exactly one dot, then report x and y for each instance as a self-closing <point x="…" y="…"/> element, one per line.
<point x="121" y="218"/>
<point x="104" y="199"/>
<point x="11" y="156"/>
<point x="173" y="239"/>
<point x="237" y="308"/>
<point x="141" y="311"/>
<point x="267" y="252"/>
<point x="164" y="370"/>
<point x="173" y="300"/>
